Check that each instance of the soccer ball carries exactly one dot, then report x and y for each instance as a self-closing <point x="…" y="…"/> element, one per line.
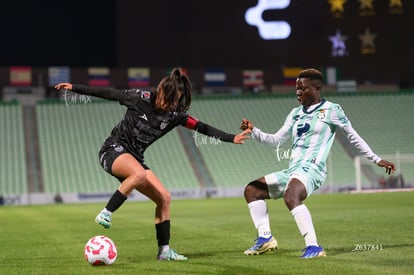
<point x="100" y="250"/>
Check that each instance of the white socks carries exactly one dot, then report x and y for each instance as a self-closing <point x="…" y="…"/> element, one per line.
<point x="107" y="211"/>
<point x="260" y="217"/>
<point x="301" y="214"/>
<point x="303" y="220"/>
<point x="163" y="248"/>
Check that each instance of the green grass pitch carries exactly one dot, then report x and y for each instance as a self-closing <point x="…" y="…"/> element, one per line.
<point x="361" y="233"/>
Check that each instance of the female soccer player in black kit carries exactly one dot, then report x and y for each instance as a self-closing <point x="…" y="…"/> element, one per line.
<point x="149" y="116"/>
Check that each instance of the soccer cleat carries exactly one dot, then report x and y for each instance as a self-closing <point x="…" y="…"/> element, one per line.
<point x="170" y="255"/>
<point x="262" y="245"/>
<point x="104" y="218"/>
<point x="313" y="251"/>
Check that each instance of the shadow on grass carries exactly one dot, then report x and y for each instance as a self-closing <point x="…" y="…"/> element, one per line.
<point x="236" y="253"/>
<point x="330" y="251"/>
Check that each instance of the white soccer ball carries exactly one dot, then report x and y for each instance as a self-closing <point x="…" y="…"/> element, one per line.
<point x="100" y="250"/>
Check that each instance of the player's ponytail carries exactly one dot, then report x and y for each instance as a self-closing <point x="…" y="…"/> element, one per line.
<point x="174" y="92"/>
<point x="176" y="73"/>
<point x="184" y="88"/>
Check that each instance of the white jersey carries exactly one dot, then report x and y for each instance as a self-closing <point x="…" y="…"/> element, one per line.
<point x="313" y="132"/>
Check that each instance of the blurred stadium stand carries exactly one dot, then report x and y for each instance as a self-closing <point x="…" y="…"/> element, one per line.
<point x="384" y="120"/>
<point x="13" y="175"/>
<point x="71" y="130"/>
<point x="71" y="136"/>
<point x="272" y="81"/>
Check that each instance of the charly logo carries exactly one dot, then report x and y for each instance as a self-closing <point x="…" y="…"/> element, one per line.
<point x="268" y="30"/>
<point x="164" y="124"/>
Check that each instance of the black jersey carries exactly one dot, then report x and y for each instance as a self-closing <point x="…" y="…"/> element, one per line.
<point x="141" y="124"/>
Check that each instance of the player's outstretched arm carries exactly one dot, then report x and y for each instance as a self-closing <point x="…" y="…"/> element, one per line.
<point x="239" y="139"/>
<point x="389" y="166"/>
<point x="64" y="85"/>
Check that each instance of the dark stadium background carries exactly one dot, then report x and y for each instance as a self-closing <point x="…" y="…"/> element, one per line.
<point x="201" y="34"/>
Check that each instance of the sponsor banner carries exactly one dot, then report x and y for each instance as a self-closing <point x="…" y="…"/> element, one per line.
<point x="214" y="77"/>
<point x="252" y="78"/>
<point x="138" y="77"/>
<point x="290" y="74"/>
<point x="98" y="76"/>
<point x="20" y="76"/>
<point x="58" y="75"/>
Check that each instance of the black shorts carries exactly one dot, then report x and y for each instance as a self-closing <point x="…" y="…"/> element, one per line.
<point x="110" y="151"/>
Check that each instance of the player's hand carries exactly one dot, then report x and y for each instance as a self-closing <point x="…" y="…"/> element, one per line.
<point x="389" y="166"/>
<point x="246" y="124"/>
<point x="238" y="139"/>
<point x="64" y="85"/>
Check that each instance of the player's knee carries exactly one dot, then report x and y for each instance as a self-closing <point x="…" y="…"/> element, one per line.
<point x="291" y="200"/>
<point x="167" y="198"/>
<point x="248" y="191"/>
<point x="254" y="191"/>
<point x="164" y="198"/>
<point x="138" y="178"/>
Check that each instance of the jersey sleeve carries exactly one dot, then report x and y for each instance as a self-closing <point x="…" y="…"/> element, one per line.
<point x="278" y="138"/>
<point x="125" y="97"/>
<point x="192" y="123"/>
<point x="339" y="119"/>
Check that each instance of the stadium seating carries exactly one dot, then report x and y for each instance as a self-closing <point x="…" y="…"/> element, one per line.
<point x="236" y="165"/>
<point x="384" y="120"/>
<point x="71" y="136"/>
<point x="71" y="133"/>
<point x="13" y="172"/>
<point x="372" y="115"/>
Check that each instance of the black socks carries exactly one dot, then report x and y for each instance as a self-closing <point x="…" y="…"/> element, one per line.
<point x="162" y="229"/>
<point x="163" y="232"/>
<point x="115" y="201"/>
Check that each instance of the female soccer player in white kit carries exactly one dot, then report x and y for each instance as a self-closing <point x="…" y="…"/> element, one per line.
<point x="312" y="128"/>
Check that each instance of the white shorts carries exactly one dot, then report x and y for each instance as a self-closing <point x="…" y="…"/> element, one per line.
<point x="310" y="175"/>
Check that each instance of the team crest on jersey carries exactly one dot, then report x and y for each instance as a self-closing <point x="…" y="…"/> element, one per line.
<point x="164" y="124"/>
<point x="145" y="95"/>
<point x="320" y="114"/>
<point x="118" y="148"/>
